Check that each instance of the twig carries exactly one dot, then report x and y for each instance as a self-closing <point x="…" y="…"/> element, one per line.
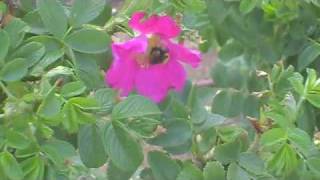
<point x="204" y="83"/>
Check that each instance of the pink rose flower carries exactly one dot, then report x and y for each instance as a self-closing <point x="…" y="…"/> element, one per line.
<point x="150" y="63"/>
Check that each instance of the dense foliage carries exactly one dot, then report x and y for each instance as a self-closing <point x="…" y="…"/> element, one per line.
<point x="258" y="121"/>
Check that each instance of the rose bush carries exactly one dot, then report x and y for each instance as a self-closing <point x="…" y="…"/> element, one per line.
<point x="95" y="91"/>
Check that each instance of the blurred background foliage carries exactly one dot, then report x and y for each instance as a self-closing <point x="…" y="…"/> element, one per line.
<point x="258" y="119"/>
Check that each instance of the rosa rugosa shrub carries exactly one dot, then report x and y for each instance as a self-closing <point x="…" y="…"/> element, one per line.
<point x="98" y="89"/>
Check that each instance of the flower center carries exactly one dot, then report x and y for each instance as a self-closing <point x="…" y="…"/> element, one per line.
<point x="158" y="55"/>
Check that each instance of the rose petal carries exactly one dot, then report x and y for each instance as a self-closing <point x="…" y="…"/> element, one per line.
<point x="121" y="74"/>
<point x="177" y="74"/>
<point x="186" y="55"/>
<point x="153" y="82"/>
<point x="164" y="26"/>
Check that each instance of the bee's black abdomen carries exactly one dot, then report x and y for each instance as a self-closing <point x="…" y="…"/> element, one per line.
<point x="158" y="55"/>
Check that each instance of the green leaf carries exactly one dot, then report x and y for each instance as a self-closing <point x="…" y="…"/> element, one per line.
<point x="205" y="140"/>
<point x="85" y="103"/>
<point x="314" y="99"/>
<point x="177" y="133"/>
<point x="230" y="50"/>
<point x="308" y="55"/>
<point x="146" y="174"/>
<point x="297" y="82"/>
<point x="273" y="136"/>
<point x="83" y="11"/>
<point x="88" y="71"/>
<point x="50" y="106"/>
<point x="17" y="140"/>
<point x="237" y="173"/>
<point x="91" y="149"/>
<point x="4" y="45"/>
<point x="16" y="30"/>
<point x="232" y="103"/>
<point x="10" y="166"/>
<point x="124" y="151"/>
<point x="32" y="149"/>
<point x="300" y="139"/>
<point x="53" y="16"/>
<point x="14" y="70"/>
<point x="27" y="5"/>
<point x="284" y="161"/>
<point x="74" y="115"/>
<point x="106" y="99"/>
<point x="190" y="172"/>
<point x="32" y="52"/>
<point x="34" y="21"/>
<point x="252" y="163"/>
<point x="58" y="151"/>
<point x="115" y="173"/>
<point x="163" y="168"/>
<point x="54" y="51"/>
<point x="214" y="171"/>
<point x="135" y="106"/>
<point x="247" y="6"/>
<point x="33" y="168"/>
<point x="73" y="89"/>
<point x="88" y="40"/>
<point x="144" y="126"/>
<point x="228" y="152"/>
<point x="218" y="11"/>
<point x="314" y="165"/>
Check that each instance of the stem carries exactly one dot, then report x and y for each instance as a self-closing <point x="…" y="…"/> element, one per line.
<point x="68" y="31"/>
<point x="6" y="91"/>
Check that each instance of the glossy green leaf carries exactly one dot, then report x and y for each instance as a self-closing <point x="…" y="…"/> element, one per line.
<point x="63" y="148"/>
<point x="284" y="161"/>
<point x="252" y="163"/>
<point x="74" y="116"/>
<point x="177" y="133"/>
<point x="123" y="149"/>
<point x="308" y="55"/>
<point x="17" y="140"/>
<point x="314" y="165"/>
<point x="91" y="149"/>
<point x="230" y="50"/>
<point x="73" y="89"/>
<point x="135" y="106"/>
<point x="115" y="173"/>
<point x="54" y="50"/>
<point x="52" y="11"/>
<point x="51" y="106"/>
<point x="33" y="168"/>
<point x="228" y="152"/>
<point x="273" y="136"/>
<point x="214" y="171"/>
<point x="163" y="168"/>
<point x="35" y="23"/>
<point x="27" y="5"/>
<point x="16" y="30"/>
<point x="247" y="6"/>
<point x="237" y="173"/>
<point x="83" y="11"/>
<point x="4" y="45"/>
<point x="300" y="139"/>
<point x="88" y="40"/>
<point x="10" y="166"/>
<point x="32" y="52"/>
<point x="190" y="172"/>
<point x="106" y="99"/>
<point x="14" y="70"/>
<point x="88" y="71"/>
